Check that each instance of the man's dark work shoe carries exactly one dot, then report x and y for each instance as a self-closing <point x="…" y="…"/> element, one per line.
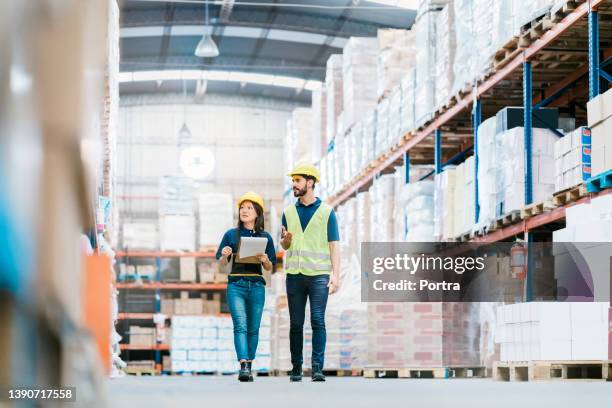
<point x="295" y="374"/>
<point x="317" y="373"/>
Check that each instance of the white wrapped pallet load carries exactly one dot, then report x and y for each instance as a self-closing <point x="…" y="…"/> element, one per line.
<point x="407" y="112"/>
<point x="513" y="178"/>
<point x="466" y="51"/>
<point x="469" y="195"/>
<point x="425" y="28"/>
<point x="357" y="145"/>
<point x="459" y="201"/>
<point x="383" y="207"/>
<point x="395" y="116"/>
<point x="445" y="55"/>
<point x="176" y="195"/>
<point x="489" y="172"/>
<point x="364" y="217"/>
<point x="444" y="200"/>
<point x="483" y="40"/>
<point x="418" y="203"/>
<point x="216" y="216"/>
<point x="177" y="232"/>
<point x="319" y="124"/>
<point x="359" y="60"/>
<point x="382" y="127"/>
<point x="397" y="54"/>
<point x="368" y="149"/>
<point x="333" y="92"/>
<point x="341" y="158"/>
<point x="140" y="235"/>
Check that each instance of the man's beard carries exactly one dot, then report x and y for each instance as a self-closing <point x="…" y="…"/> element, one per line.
<point x="299" y="193"/>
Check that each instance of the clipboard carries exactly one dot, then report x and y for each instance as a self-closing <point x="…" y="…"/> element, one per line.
<point x="251" y="259"/>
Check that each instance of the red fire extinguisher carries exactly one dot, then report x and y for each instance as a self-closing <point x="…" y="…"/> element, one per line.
<point x="518" y="261"/>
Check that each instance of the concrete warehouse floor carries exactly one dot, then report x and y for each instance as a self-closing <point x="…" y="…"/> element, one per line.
<point x="226" y="391"/>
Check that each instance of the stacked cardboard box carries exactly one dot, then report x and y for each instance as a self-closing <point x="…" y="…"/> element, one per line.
<point x="333" y="91"/>
<point x="359" y="65"/>
<point x="599" y="112"/>
<point x="207" y="271"/>
<point x="216" y="211"/>
<point x="188" y="306"/>
<point x="142" y="336"/>
<point x="572" y="155"/>
<point x="553" y="331"/>
<point x="589" y="222"/>
<point x="423" y="334"/>
<point x="463" y="204"/>
<point x="140" y="236"/>
<point x="202" y="344"/>
<point x="187" y="269"/>
<point x="146" y="271"/>
<point x="395" y="58"/>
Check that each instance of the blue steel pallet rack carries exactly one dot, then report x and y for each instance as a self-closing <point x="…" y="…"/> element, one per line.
<point x="574" y="29"/>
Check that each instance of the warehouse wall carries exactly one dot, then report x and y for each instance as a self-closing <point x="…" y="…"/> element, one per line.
<point x="246" y="137"/>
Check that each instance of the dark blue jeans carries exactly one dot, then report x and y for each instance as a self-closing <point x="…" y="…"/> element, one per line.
<point x="299" y="289"/>
<point x="246" y="301"/>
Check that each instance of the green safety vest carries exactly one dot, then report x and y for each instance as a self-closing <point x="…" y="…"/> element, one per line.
<point x="309" y="250"/>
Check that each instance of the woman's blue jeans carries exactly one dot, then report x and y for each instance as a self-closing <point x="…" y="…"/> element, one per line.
<point x="246" y="299"/>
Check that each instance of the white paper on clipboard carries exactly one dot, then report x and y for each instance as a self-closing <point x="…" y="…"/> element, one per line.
<point x="251" y="246"/>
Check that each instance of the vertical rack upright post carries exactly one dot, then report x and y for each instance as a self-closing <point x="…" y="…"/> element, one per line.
<point x="476" y="119"/>
<point x="593" y="53"/>
<point x="438" y="150"/>
<point x="528" y="191"/>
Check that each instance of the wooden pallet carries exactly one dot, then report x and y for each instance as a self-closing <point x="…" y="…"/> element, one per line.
<point x="569" y="195"/>
<point x="552" y="370"/>
<point x="140" y="371"/>
<point x="535" y="209"/>
<point x="331" y="372"/>
<point x="425" y="372"/>
<point x="599" y="182"/>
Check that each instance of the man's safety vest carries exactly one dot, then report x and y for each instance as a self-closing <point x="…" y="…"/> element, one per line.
<point x="309" y="250"/>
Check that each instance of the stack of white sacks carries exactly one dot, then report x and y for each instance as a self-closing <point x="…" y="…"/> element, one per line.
<point x="382" y="127"/>
<point x="418" y="204"/>
<point x="395" y="58"/>
<point x="333" y="92"/>
<point x="176" y="213"/>
<point x="319" y="123"/>
<point x="216" y="217"/>
<point x="359" y="66"/>
<point x="464" y="201"/>
<point x="572" y="158"/>
<point x="407" y="109"/>
<point x="298" y="147"/>
<point x="599" y="112"/>
<point x="383" y="201"/>
<point x="445" y="55"/>
<point x="206" y="344"/>
<point x="552" y="331"/>
<point x="425" y="32"/>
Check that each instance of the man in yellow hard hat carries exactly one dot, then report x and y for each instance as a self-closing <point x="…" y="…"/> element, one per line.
<point x="311" y="238"/>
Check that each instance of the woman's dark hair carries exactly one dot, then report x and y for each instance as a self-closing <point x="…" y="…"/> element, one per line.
<point x="259" y="220"/>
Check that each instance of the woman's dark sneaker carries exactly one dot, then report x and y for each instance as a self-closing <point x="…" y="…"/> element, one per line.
<point x="250" y="368"/>
<point x="243" y="374"/>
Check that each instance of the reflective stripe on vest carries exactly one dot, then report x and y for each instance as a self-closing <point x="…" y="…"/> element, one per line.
<point x="309" y="251"/>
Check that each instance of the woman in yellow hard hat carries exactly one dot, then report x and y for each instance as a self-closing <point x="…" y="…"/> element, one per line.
<point x="246" y="285"/>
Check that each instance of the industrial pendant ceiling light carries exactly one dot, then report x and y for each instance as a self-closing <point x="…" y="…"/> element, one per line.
<point x="184" y="135"/>
<point x="206" y="47"/>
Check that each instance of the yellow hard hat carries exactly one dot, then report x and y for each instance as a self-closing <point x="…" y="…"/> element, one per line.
<point x="252" y="197"/>
<point x="306" y="169"/>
